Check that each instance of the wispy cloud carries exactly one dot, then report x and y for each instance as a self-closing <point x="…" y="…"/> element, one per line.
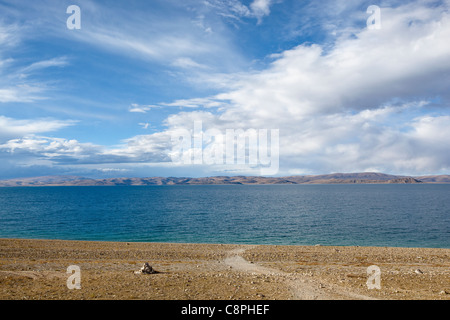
<point x="14" y="128"/>
<point x="188" y="63"/>
<point x="174" y="37"/>
<point x="14" y="85"/>
<point x="10" y="35"/>
<point x="21" y="93"/>
<point x="40" y="65"/>
<point x="140" y="109"/>
<point x="235" y="9"/>
<point x="210" y="102"/>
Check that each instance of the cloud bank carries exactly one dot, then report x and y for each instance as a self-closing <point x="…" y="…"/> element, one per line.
<point x="372" y="100"/>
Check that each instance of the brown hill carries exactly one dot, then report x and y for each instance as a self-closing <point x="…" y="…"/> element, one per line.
<point x="336" y="178"/>
<point x="435" y="179"/>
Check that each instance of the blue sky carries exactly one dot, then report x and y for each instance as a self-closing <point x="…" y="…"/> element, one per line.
<point x="107" y="99"/>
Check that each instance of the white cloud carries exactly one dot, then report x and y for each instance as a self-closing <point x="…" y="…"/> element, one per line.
<point x="211" y="102"/>
<point x="45" y="146"/>
<point x="14" y="85"/>
<point x="161" y="48"/>
<point x="175" y="35"/>
<point x="55" y="62"/>
<point x="359" y="142"/>
<point x="352" y="107"/>
<point x="19" y="94"/>
<point x="112" y="170"/>
<point x="140" y="149"/>
<point x="235" y="9"/>
<point x="10" y="35"/>
<point x="136" y="108"/>
<point x="188" y="63"/>
<point x="260" y="8"/>
<point x="14" y="128"/>
<point x="144" y="125"/>
<point x="361" y="104"/>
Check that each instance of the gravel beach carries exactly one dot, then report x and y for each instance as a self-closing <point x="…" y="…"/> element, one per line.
<point x="37" y="270"/>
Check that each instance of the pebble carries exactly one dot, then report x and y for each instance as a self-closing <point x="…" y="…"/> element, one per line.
<point x="432" y="283"/>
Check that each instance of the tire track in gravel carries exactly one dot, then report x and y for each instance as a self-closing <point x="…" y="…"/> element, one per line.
<point x="302" y="288"/>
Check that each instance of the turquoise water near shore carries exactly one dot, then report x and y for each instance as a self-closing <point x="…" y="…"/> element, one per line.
<point x="343" y="215"/>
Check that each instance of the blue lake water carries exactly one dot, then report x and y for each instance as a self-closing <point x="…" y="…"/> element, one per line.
<point x="365" y="215"/>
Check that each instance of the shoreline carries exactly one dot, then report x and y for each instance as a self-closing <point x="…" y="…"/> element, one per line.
<point x="37" y="269"/>
<point x="373" y="183"/>
<point x="217" y="243"/>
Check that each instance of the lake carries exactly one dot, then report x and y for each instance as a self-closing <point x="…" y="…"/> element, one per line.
<point x="403" y="215"/>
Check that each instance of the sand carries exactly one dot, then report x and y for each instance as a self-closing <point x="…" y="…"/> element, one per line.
<point x="37" y="270"/>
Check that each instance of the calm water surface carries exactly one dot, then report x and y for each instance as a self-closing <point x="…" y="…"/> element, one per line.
<point x="365" y="215"/>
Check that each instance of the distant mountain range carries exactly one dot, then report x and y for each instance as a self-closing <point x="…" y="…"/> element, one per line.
<point x="335" y="178"/>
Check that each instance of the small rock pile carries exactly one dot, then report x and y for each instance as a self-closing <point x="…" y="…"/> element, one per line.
<point x="146" y="269"/>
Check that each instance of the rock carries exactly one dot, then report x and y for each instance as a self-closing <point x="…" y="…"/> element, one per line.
<point x="418" y="271"/>
<point x="443" y="292"/>
<point x="146" y="269"/>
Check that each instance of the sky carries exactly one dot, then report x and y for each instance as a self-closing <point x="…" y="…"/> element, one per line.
<point x="147" y="88"/>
